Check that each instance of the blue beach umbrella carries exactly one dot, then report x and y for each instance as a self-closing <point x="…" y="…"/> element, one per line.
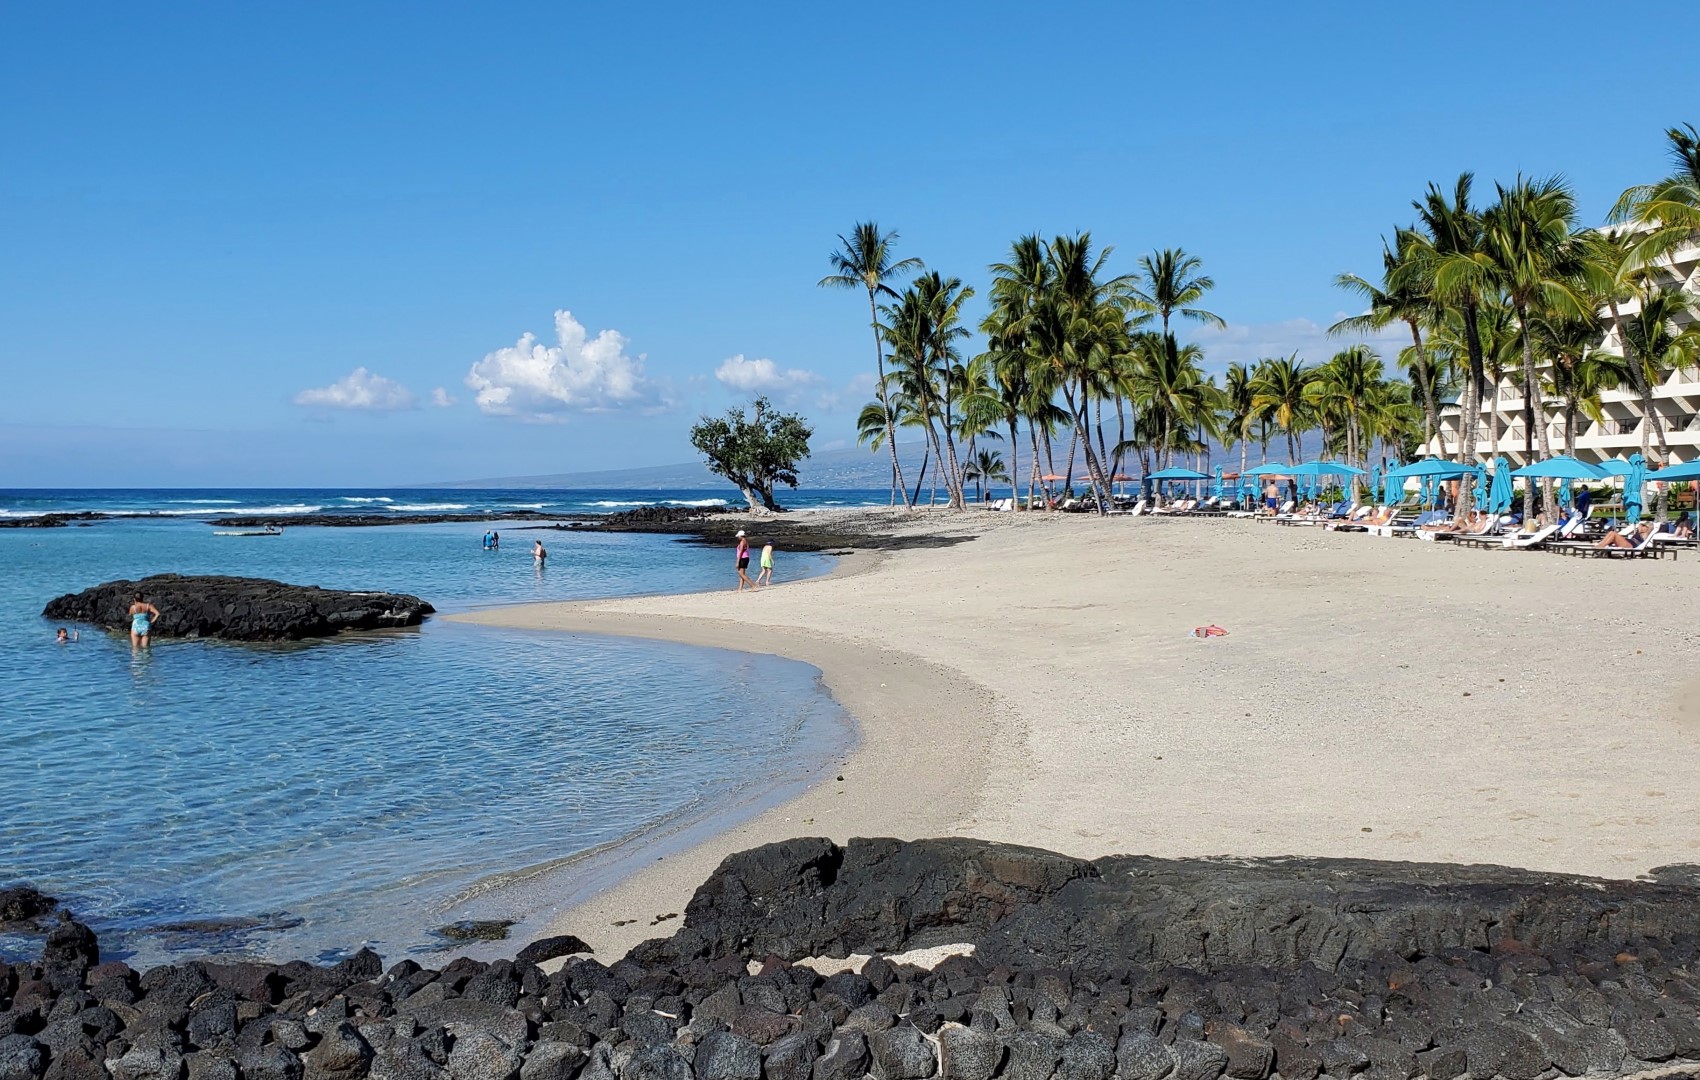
<point x="1479" y="489"/>
<point x="1558" y="468"/>
<point x="1634" y="486"/>
<point x="1216" y="488"/>
<point x="1499" y="493"/>
<point x="1689" y="470"/>
<point x="1270" y="468"/>
<point x="1616" y="467"/>
<point x="1433" y="467"/>
<point x="1393" y="487"/>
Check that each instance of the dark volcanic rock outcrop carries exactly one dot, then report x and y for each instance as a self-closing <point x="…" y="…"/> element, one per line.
<point x="1022" y="906"/>
<point x="240" y="609"/>
<point x="1115" y="969"/>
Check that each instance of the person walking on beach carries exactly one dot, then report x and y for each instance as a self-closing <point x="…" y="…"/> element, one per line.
<point x="744" y="562"/>
<point x="1271" y="496"/>
<point x="142" y="615"/>
<point x="766" y="575"/>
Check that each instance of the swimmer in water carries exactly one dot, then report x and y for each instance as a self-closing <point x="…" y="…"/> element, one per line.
<point x="539" y="553"/>
<point x="142" y="615"/>
<point x="65" y="637"/>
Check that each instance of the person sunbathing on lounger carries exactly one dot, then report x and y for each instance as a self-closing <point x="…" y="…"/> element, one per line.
<point x="1633" y="538"/>
<point x="1475" y="523"/>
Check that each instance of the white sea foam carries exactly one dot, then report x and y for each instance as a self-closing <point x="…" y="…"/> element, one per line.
<point x="203" y="502"/>
<point x="288" y="508"/>
<point x="367" y="499"/>
<point x="429" y="506"/>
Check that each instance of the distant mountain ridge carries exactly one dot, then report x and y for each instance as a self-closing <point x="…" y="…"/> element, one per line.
<point x="849" y="468"/>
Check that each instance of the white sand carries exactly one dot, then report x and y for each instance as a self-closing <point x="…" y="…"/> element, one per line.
<point x="1379" y="698"/>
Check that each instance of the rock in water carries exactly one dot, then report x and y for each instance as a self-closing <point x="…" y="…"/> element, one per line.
<point x="239" y="609"/>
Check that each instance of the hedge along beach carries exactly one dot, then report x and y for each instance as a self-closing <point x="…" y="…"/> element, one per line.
<point x="1037" y="683"/>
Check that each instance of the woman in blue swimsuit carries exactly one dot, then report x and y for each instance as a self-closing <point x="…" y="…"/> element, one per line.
<point x="142" y="615"/>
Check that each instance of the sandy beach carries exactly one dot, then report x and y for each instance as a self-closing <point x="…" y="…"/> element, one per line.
<point x="1037" y="683"/>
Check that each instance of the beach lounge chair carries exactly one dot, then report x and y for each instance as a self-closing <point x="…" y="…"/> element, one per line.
<point x="1645" y="548"/>
<point x="1135" y="510"/>
<point x="1408" y="526"/>
<point x="1525" y="541"/>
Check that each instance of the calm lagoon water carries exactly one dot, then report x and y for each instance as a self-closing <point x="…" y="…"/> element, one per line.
<point x="366" y="789"/>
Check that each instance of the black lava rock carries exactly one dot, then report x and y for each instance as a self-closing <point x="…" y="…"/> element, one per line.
<point x="239" y="609"/>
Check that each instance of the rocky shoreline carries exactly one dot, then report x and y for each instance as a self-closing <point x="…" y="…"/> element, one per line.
<point x="1250" y="969"/>
<point x="718" y="527"/>
<point x="239" y="609"/>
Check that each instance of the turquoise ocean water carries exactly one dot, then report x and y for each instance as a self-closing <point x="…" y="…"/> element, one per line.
<point x="365" y="789"/>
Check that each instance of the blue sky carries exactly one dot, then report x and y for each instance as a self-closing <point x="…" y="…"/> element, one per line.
<point x="246" y="246"/>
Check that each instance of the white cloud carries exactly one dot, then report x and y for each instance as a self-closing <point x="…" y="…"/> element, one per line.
<point x="1247" y="343"/>
<point x="577" y="374"/>
<point x="360" y="389"/>
<point x="441" y="398"/>
<point x="763" y="376"/>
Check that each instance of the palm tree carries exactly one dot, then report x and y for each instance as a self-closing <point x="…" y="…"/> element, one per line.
<point x="1660" y="348"/>
<point x="1167" y="384"/>
<point x="1169" y="282"/>
<point x="1278" y="389"/>
<point x="1239" y="401"/>
<point x="985" y="466"/>
<point x="1078" y="322"/>
<point x="1345" y="386"/>
<point x="1533" y="257"/>
<point x="1668" y="211"/>
<point x="865" y="260"/>
<point x="1613" y="265"/>
<point x="1397" y="299"/>
<point x="1442" y="259"/>
<point x="922" y="328"/>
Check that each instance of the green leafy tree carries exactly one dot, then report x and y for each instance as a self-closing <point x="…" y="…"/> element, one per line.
<point x="754" y="452"/>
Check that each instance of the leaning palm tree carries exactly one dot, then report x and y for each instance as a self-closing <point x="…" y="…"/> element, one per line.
<point x="1534" y="259"/>
<point x="1398" y="298"/>
<point x="865" y="260"/>
<point x="1170" y="282"/>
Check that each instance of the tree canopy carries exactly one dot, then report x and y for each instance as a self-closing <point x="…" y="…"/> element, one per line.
<point x="755" y="452"/>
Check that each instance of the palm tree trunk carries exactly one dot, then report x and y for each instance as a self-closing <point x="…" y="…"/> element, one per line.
<point x="1652" y="426"/>
<point x="1471" y="411"/>
<point x="1530" y="388"/>
<point x="885" y="406"/>
<point x="921" y="478"/>
<point x="1014" y="468"/>
<point x="1083" y="431"/>
<point x="1121" y="434"/>
<point x="1431" y="413"/>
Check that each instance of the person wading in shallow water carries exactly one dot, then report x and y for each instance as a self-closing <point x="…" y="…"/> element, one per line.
<point x="766" y="575"/>
<point x="142" y="615"/>
<point x="744" y="562"/>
